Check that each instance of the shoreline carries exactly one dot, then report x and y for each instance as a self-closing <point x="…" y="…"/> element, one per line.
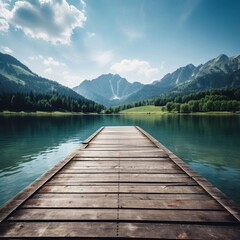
<point x="58" y="113"/>
<point x="175" y="113"/>
<point x="39" y="113"/>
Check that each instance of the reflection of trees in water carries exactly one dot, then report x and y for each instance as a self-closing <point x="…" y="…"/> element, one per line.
<point x="21" y="136"/>
<point x="31" y="135"/>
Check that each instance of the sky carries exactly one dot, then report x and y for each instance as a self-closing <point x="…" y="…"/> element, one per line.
<point x="142" y="40"/>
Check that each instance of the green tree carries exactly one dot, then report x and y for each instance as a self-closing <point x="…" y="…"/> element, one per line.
<point x="169" y="106"/>
<point x="184" y="108"/>
<point x="193" y="106"/>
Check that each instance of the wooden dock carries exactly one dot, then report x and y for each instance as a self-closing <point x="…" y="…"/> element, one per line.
<point x="121" y="183"/>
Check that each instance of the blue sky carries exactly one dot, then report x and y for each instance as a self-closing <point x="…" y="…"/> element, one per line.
<point x="72" y="40"/>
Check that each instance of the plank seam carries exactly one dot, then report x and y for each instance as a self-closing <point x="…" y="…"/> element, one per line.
<point x="118" y="197"/>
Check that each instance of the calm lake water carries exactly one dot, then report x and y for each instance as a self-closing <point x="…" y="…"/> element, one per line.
<point x="29" y="146"/>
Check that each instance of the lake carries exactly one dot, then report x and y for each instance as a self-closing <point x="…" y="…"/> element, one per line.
<point x="29" y="146"/>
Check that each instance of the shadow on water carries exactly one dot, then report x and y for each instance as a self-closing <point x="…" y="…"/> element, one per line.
<point x="30" y="146"/>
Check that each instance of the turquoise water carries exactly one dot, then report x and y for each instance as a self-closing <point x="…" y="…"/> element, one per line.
<point x="29" y="146"/>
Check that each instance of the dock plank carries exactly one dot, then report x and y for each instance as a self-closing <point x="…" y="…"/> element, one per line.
<point x="178" y="231"/>
<point x="73" y="200"/>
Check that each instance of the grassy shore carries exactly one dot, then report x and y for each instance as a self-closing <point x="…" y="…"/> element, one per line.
<point x="136" y="110"/>
<point x="158" y="110"/>
<point x="144" y="110"/>
<point x="38" y="113"/>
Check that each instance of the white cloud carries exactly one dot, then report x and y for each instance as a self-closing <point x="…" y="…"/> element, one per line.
<point x="103" y="58"/>
<point x="4" y="26"/>
<point x="35" y="58"/>
<point x="7" y="49"/>
<point x="136" y="70"/>
<point x="4" y="12"/>
<point x="49" y="20"/>
<point x="52" y="62"/>
<point x="91" y="34"/>
<point x="83" y="5"/>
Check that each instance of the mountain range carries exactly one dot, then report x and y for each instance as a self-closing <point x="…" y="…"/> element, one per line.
<point x="110" y="90"/>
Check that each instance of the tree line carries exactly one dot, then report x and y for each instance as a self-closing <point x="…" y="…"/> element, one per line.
<point x="120" y="108"/>
<point x="203" y="101"/>
<point x="46" y="102"/>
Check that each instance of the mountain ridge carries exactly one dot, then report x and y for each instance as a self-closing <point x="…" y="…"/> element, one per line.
<point x="15" y="77"/>
<point x="108" y="89"/>
<point x="112" y="89"/>
<point x="219" y="72"/>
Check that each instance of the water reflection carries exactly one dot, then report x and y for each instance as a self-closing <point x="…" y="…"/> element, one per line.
<point x="30" y="146"/>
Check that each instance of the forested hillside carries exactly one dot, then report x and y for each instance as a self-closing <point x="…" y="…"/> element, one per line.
<point x="46" y="102"/>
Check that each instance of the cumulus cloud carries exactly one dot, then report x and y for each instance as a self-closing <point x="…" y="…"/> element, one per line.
<point x="103" y="58"/>
<point x="4" y="12"/>
<point x="52" y="62"/>
<point x="4" y="26"/>
<point x="52" y="21"/>
<point x="135" y="68"/>
<point x="7" y="49"/>
<point x="35" y="58"/>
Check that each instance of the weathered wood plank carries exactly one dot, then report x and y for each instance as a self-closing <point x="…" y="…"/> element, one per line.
<point x="112" y="148"/>
<point x="119" y="142"/>
<point x="76" y="189"/>
<point x="119" y="169"/>
<point x="122" y="175"/>
<point x="177" y="231"/>
<point x="124" y="215"/>
<point x="58" y="229"/>
<point x="161" y="189"/>
<point x="110" y="154"/>
<point x="73" y="200"/>
<point x="95" y="159"/>
<point x="124" y="137"/>
<point x="176" y="215"/>
<point x="65" y="214"/>
<point x="171" y="203"/>
<point x="106" y="179"/>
